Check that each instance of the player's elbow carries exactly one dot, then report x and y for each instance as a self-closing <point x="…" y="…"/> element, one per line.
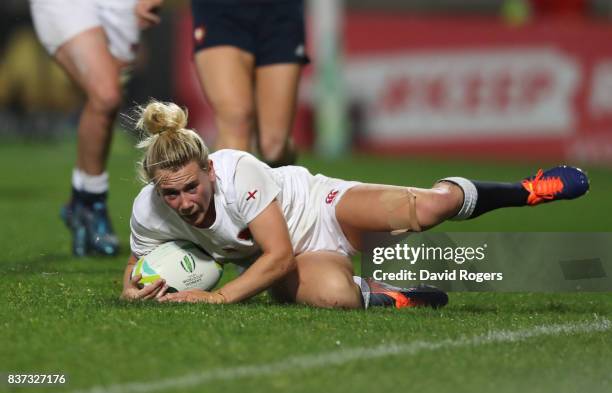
<point x="282" y="261"/>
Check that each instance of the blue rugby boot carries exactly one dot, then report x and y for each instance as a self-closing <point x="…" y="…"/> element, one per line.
<point x="101" y="238"/>
<point x="72" y="215"/>
<point x="562" y="182"/>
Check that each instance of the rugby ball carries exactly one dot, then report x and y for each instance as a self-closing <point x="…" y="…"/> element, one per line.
<point x="182" y="264"/>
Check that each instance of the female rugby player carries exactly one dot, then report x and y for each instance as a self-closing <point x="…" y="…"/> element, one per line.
<point x="294" y="232"/>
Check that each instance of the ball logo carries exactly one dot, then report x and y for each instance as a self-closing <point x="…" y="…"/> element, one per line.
<point x="188" y="263"/>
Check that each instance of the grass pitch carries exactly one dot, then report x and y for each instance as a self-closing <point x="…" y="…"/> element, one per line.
<point x="62" y="315"/>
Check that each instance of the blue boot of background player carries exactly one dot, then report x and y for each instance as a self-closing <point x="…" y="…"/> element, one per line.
<point x="101" y="237"/>
<point x="87" y="218"/>
<point x="71" y="215"/>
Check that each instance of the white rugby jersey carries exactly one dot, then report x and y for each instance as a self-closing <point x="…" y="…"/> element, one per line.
<point x="244" y="187"/>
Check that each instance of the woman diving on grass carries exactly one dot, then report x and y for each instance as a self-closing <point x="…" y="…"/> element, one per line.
<point x="294" y="232"/>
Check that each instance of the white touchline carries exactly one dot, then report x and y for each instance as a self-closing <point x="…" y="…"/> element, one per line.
<point x="305" y="362"/>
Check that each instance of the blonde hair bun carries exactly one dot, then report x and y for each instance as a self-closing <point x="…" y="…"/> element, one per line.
<point x="169" y="145"/>
<point x="158" y="117"/>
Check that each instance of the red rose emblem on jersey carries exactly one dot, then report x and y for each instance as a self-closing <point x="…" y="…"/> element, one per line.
<point x="331" y="196"/>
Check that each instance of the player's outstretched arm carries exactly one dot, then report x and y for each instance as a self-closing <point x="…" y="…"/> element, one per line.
<point x="269" y="230"/>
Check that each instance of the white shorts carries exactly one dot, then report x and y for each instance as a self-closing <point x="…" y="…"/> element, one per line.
<point x="325" y="234"/>
<point x="57" y="21"/>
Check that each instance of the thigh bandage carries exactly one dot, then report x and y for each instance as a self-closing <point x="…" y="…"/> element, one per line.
<point x="401" y="206"/>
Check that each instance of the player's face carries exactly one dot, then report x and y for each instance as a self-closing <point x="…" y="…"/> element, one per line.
<point x="189" y="192"/>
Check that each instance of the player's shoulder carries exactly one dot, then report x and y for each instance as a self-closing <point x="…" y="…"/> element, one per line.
<point x="226" y="162"/>
<point x="229" y="158"/>
<point x="229" y="154"/>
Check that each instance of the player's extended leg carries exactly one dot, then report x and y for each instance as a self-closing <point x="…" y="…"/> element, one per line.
<point x="88" y="61"/>
<point x="368" y="208"/>
<point x="226" y="74"/>
<point x="381" y="208"/>
<point x="276" y="87"/>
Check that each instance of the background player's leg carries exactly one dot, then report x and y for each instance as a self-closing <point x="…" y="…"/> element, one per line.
<point x="227" y="75"/>
<point x="88" y="61"/>
<point x="276" y="98"/>
<point x="321" y="279"/>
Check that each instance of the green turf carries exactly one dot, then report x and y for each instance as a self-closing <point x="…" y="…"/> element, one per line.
<point x="60" y="314"/>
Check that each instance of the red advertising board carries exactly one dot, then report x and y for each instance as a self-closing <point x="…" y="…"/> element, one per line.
<point x="475" y="86"/>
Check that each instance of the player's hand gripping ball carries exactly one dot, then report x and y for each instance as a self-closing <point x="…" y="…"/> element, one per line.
<point x="182" y="264"/>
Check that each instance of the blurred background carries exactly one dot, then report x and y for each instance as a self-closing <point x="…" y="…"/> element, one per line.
<point x="525" y="80"/>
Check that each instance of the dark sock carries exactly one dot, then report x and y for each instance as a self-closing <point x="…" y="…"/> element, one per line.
<point x="88" y="198"/>
<point x="493" y="195"/>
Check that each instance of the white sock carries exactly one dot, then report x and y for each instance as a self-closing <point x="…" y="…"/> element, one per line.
<point x="95" y="184"/>
<point x="470" y="196"/>
<point x="77" y="179"/>
<point x="365" y="290"/>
